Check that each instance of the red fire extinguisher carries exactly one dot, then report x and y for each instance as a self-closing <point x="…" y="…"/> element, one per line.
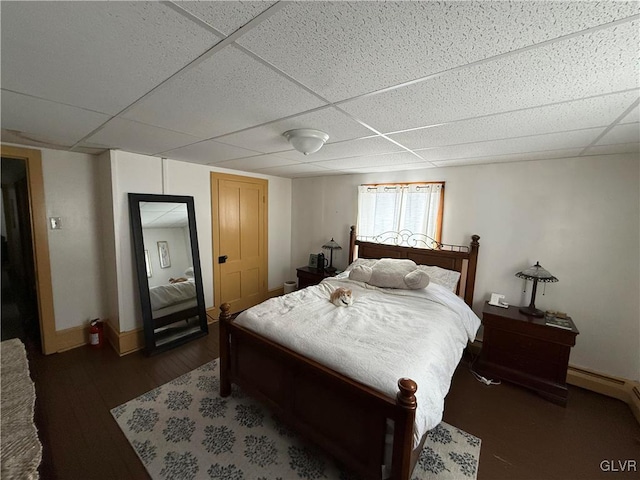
<point x="96" y="333"/>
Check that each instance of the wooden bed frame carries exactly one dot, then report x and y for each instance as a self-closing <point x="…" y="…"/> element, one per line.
<point x="344" y="417"/>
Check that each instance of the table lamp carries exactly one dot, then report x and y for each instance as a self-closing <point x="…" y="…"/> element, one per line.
<point x="332" y="245"/>
<point x="537" y="274"/>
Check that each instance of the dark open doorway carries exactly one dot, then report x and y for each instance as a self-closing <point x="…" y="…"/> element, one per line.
<point x="19" y="294"/>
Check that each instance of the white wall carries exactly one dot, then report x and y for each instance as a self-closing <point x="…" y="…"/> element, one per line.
<point x="130" y="173"/>
<point x="108" y="239"/>
<point x="75" y="250"/>
<point x="144" y="174"/>
<point x="579" y="217"/>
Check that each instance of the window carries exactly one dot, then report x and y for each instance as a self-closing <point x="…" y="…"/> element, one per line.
<point x="410" y="208"/>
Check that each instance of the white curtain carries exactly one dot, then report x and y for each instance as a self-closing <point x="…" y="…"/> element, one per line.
<point x="393" y="208"/>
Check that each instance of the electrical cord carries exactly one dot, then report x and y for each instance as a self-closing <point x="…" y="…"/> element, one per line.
<point x="485" y="380"/>
<point x="480" y="378"/>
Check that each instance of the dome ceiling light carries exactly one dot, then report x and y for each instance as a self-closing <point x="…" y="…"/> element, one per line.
<point x="306" y="140"/>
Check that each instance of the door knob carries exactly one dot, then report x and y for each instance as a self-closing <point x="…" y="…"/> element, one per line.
<point x="222" y="259"/>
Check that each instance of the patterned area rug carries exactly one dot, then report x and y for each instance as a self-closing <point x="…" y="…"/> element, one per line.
<point x="185" y="430"/>
<point x="21" y="450"/>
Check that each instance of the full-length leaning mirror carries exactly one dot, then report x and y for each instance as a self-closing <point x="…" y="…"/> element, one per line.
<point x="165" y="245"/>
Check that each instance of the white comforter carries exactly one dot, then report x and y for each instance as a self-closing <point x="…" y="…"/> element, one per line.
<point x="384" y="335"/>
<point x="164" y="295"/>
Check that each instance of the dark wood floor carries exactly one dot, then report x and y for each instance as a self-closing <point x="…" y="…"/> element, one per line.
<point x="523" y="436"/>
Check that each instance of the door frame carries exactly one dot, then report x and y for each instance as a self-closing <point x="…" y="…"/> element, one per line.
<point x="215" y="232"/>
<point x="40" y="242"/>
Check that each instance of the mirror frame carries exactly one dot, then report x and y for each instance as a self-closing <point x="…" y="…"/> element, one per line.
<point x="143" y="282"/>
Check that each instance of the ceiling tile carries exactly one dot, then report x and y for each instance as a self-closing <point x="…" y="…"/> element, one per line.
<point x="396" y="159"/>
<point x="208" y="151"/>
<point x="633" y="115"/>
<point x="330" y="46"/>
<point x="613" y="149"/>
<point x="47" y="122"/>
<point x="296" y="170"/>
<point x="390" y="168"/>
<point x="97" y="55"/>
<point x="352" y="148"/>
<point x="579" y="114"/>
<point x="90" y="150"/>
<point x="162" y="215"/>
<point x="518" y="157"/>
<point x="162" y="207"/>
<point x="462" y="82"/>
<point x="227" y="92"/>
<point x="593" y="64"/>
<point x="625" y="133"/>
<point x="226" y="17"/>
<point x="21" y="138"/>
<point x="535" y="143"/>
<point x="268" y="138"/>
<point x="256" y="163"/>
<point x="137" y="137"/>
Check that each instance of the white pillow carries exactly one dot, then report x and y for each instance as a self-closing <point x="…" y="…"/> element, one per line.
<point x="367" y="262"/>
<point x="442" y="276"/>
<point x="189" y="272"/>
<point x="391" y="273"/>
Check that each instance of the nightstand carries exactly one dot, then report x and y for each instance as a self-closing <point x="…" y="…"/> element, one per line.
<point x="524" y="350"/>
<point x="311" y="276"/>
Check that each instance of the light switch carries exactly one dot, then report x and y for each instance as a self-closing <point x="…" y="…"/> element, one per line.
<point x="55" y="223"/>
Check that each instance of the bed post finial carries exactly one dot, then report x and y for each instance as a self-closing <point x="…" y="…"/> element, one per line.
<point x="352" y="243"/>
<point x="407" y="394"/>
<point x="225" y="312"/>
<point x="474" y="246"/>
<point x="403" y="429"/>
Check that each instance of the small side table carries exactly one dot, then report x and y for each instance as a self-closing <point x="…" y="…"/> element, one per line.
<point x="526" y="351"/>
<point x="311" y="276"/>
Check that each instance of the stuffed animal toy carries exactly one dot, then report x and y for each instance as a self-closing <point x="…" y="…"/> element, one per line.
<point x="391" y="273"/>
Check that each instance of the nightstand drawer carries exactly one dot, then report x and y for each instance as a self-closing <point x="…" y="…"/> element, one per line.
<point x="304" y="280"/>
<point x="310" y="276"/>
<point x="521" y="345"/>
<point x="530" y="363"/>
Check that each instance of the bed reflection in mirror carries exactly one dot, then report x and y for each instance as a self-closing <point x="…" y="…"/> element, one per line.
<point x="168" y="267"/>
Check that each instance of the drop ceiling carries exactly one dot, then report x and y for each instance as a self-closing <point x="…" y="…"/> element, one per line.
<point x="396" y="85"/>
<point x="163" y="215"/>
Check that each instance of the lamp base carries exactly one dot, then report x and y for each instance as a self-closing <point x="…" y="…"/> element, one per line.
<point x="330" y="269"/>
<point x="531" y="311"/>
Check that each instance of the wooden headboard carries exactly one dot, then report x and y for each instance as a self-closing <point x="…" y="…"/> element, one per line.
<point x="461" y="258"/>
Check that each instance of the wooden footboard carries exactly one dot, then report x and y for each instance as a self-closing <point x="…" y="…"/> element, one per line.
<point x="344" y="417"/>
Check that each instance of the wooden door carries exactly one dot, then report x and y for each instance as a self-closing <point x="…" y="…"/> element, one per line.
<point x="239" y="223"/>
